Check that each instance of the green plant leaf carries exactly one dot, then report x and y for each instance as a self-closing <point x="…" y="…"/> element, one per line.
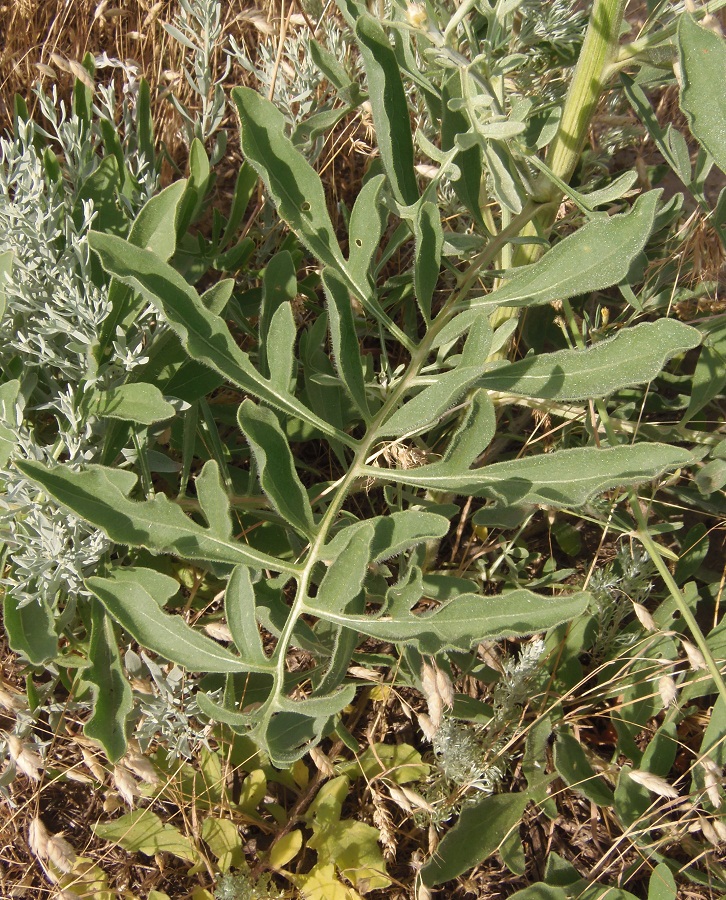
<point x="576" y="771"/>
<point x="159" y="525"/>
<point x="463" y="621"/>
<point x="112" y="697"/>
<point x="155" y="228"/>
<point x="391" y="534"/>
<point x="453" y="123"/>
<point x="367" y="221"/>
<point x="321" y="883"/>
<point x="214" y="500"/>
<point x="278" y="478"/>
<point x="239" y="608"/>
<point x="429" y="238"/>
<point x="344" y="579"/>
<point x="169" y="635"/>
<point x="632" y="356"/>
<point x="286" y="849"/>
<point x="390" y="108"/>
<point x="346" y="351"/>
<point x="223" y="838"/>
<point x="30" y="629"/>
<point x="426" y="407"/>
<point x="279" y="285"/>
<point x="564" y="478"/>
<point x="141" y="403"/>
<point x="292" y="182"/>
<point x="474" y="434"/>
<point x="141" y="831"/>
<point x="702" y="55"/>
<point x="662" y="884"/>
<point x="596" y="256"/>
<point x="352" y="846"/>
<point x="204" y="335"/>
<point x="475" y="837"/>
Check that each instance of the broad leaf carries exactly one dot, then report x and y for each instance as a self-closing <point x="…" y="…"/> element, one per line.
<point x="239" y="608"/>
<point x="140" y="403"/>
<point x="158" y="524"/>
<point x="344" y="579"/>
<point x="278" y="478"/>
<point x="474" y="434"/>
<point x="6" y="268"/>
<point x="563" y="478"/>
<point x="112" y="698"/>
<point x="139" y="614"/>
<point x="575" y="769"/>
<point x="596" y="256"/>
<point x="632" y="356"/>
<point x="390" y="108"/>
<point x="292" y="182"/>
<point x="30" y="629"/>
<point x="475" y="837"/>
<point x="141" y="831"/>
<point x="463" y="621"/>
<point x="204" y="335"/>
<point x="702" y="55"/>
<point x="346" y="351"/>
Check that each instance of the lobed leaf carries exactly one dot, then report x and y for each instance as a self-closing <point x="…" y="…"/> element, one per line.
<point x="278" y="478"/>
<point x="632" y="356"/>
<point x="564" y="478"/>
<point x="139" y="614"/>
<point x="596" y="256"/>
<point x="463" y="621"/>
<point x="292" y="182"/>
<point x="204" y="335"/>
<point x="98" y="496"/>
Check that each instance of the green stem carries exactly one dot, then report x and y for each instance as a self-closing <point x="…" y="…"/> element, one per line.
<point x="598" y="51"/>
<point x="655" y="554"/>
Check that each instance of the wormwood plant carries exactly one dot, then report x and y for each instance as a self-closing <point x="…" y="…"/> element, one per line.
<point x="397" y="382"/>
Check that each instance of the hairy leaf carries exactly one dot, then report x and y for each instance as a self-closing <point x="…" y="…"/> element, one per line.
<point x="563" y="478"/>
<point x="158" y="524"/>
<point x="475" y="837"/>
<point x="204" y="335"/>
<point x="278" y="477"/>
<point x="346" y="352"/>
<point x="169" y="635"/>
<point x="632" y="356"/>
<point x="463" y="621"/>
<point x="141" y="403"/>
<point x="292" y="182"/>
<point x="390" y="108"/>
<point x="112" y="697"/>
<point x="596" y="256"/>
<point x="702" y="55"/>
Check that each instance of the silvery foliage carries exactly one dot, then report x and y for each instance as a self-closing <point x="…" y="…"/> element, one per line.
<point x="298" y="86"/>
<point x="52" y="317"/>
<point x="198" y="28"/>
<point x="166" y="707"/>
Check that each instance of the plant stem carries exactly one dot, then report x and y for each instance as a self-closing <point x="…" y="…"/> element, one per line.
<point x="598" y="50"/>
<point x="655" y="554"/>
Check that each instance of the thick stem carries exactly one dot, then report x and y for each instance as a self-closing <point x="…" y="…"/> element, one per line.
<point x="598" y="51"/>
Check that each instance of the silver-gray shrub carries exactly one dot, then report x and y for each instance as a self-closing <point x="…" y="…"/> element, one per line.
<point x="51" y="320"/>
